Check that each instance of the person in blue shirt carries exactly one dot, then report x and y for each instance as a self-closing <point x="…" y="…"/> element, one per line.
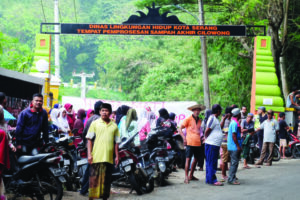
<point x="234" y="143"/>
<point x="31" y="123"/>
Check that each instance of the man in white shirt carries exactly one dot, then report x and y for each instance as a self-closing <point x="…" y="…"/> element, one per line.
<point x="270" y="127"/>
<point x="214" y="137"/>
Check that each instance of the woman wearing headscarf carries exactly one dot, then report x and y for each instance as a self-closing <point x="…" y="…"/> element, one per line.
<point x="4" y="155"/>
<point x="172" y="119"/>
<point x="54" y="117"/>
<point x="129" y="126"/>
<point x="163" y="116"/>
<point x="79" y="121"/>
<point x="121" y="112"/>
<point x="70" y="115"/>
<point x="146" y="123"/>
<point x="63" y="121"/>
<point x="89" y="113"/>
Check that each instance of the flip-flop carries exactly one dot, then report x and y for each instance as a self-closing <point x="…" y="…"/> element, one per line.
<point x="194" y="179"/>
<point x="234" y="183"/>
<point x="218" y="184"/>
<point x="247" y="167"/>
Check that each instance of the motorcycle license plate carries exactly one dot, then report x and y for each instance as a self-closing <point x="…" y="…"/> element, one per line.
<point x="66" y="162"/>
<point x="58" y="171"/>
<point x="161" y="159"/>
<point x="127" y="162"/>
<point x="82" y="162"/>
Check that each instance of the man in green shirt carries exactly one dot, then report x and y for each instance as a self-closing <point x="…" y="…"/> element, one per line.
<point x="103" y="138"/>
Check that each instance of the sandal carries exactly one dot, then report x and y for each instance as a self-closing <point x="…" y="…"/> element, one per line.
<point x="218" y="184"/>
<point x="234" y="183"/>
<point x="247" y="167"/>
<point x="193" y="179"/>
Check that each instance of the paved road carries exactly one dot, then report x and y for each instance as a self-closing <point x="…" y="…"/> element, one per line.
<point x="280" y="181"/>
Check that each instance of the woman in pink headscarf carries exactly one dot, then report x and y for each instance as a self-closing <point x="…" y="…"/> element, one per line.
<point x="70" y="115"/>
<point x="146" y="122"/>
<point x="89" y="113"/>
<point x="79" y="121"/>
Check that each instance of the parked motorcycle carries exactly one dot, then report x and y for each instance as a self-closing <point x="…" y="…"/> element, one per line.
<point x="160" y="155"/>
<point x="134" y="167"/>
<point x="255" y="153"/>
<point x="72" y="158"/>
<point x="293" y="148"/>
<point x="36" y="176"/>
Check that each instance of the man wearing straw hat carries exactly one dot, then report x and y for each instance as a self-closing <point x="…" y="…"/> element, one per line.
<point x="192" y="124"/>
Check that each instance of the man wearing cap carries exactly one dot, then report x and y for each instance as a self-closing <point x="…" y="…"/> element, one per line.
<point x="214" y="138"/>
<point x="247" y="129"/>
<point x="103" y="138"/>
<point x="262" y="116"/>
<point x="270" y="128"/>
<point x="192" y="124"/>
<point x="234" y="144"/>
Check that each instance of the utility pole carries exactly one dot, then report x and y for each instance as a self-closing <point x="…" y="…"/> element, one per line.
<point x="204" y="58"/>
<point x="56" y="46"/>
<point x="83" y="77"/>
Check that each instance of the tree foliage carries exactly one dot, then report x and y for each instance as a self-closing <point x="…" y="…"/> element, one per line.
<point x="149" y="68"/>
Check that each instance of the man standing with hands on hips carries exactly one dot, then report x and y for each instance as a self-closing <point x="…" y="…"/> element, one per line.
<point x="192" y="124"/>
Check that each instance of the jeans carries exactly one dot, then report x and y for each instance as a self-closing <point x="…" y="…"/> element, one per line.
<point x="85" y="181"/>
<point x="234" y="164"/>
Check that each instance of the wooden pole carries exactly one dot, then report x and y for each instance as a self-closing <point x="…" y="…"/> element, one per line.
<point x="204" y="58"/>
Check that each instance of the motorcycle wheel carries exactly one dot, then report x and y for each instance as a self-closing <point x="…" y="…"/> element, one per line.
<point x="70" y="185"/>
<point x="296" y="152"/>
<point x="276" y="154"/>
<point x="150" y="186"/>
<point x="53" y="187"/>
<point x="181" y="159"/>
<point x="135" y="184"/>
<point x="161" y="180"/>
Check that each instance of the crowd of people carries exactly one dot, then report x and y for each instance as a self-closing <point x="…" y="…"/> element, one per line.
<point x="205" y="137"/>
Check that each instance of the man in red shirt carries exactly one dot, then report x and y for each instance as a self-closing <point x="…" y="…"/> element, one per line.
<point x="192" y="140"/>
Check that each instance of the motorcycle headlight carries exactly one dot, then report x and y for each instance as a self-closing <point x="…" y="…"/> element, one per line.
<point x="162" y="166"/>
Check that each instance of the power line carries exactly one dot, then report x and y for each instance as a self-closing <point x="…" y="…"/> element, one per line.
<point x="60" y="21"/>
<point x="75" y="10"/>
<point x="43" y="11"/>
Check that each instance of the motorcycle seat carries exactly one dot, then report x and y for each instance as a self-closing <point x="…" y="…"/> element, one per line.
<point x="31" y="159"/>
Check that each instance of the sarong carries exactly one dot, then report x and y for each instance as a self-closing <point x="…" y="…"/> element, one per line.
<point x="211" y="154"/>
<point x="246" y="147"/>
<point x="100" y="180"/>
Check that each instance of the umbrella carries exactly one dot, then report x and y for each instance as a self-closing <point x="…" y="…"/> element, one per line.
<point x="8" y="116"/>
